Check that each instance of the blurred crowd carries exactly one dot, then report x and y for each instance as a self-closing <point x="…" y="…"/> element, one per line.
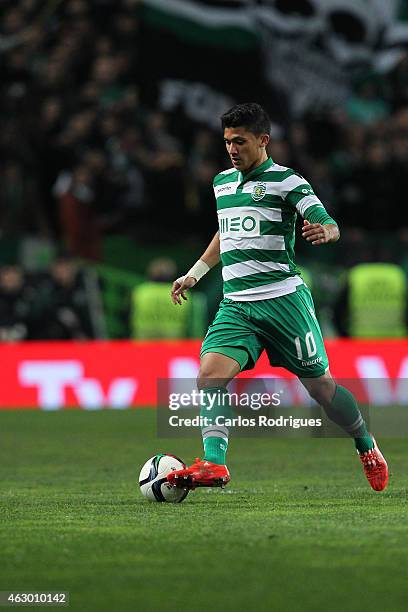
<point x="84" y="158"/>
<point x="51" y="305"/>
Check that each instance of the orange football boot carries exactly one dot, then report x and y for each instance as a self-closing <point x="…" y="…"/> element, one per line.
<point x="375" y="467"/>
<point x="201" y="474"/>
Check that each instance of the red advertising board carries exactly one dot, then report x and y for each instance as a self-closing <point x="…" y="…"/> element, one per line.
<point x="123" y="374"/>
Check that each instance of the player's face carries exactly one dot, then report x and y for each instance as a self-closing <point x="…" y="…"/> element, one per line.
<point x="245" y="149"/>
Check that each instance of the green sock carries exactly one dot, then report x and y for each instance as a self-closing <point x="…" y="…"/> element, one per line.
<point x="345" y="413"/>
<point x="215" y="450"/>
<point x="215" y="435"/>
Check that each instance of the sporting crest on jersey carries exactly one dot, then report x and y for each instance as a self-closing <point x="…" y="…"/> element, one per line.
<point x="258" y="191"/>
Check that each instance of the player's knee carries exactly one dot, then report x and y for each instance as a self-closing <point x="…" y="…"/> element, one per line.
<point x="209" y="376"/>
<point x="322" y="391"/>
<point x="216" y="370"/>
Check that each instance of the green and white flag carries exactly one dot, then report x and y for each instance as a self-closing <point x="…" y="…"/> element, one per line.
<point x="303" y="54"/>
<point x="228" y="24"/>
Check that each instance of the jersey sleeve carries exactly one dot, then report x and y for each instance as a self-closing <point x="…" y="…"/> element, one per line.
<point x="299" y="194"/>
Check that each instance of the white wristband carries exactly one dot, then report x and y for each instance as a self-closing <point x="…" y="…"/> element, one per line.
<point x="198" y="270"/>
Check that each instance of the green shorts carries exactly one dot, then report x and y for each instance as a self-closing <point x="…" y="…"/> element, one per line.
<point x="286" y="327"/>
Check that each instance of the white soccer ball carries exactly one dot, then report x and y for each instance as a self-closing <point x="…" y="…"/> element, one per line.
<point x="153" y="482"/>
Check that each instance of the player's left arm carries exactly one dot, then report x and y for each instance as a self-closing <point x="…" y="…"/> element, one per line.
<point x="320" y="233"/>
<point x="318" y="226"/>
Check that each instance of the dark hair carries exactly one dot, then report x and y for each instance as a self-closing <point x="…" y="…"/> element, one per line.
<point x="250" y="116"/>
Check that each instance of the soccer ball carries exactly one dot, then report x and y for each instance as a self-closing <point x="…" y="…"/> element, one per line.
<point x="153" y="482"/>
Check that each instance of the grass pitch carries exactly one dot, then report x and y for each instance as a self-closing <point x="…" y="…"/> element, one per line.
<point x="298" y="528"/>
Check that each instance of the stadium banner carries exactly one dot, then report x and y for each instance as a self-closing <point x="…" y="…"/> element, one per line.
<point x="202" y="60"/>
<point x="296" y="56"/>
<point x="124" y="374"/>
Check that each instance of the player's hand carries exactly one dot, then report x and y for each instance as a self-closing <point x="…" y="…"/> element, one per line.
<point x="180" y="287"/>
<point x="316" y="233"/>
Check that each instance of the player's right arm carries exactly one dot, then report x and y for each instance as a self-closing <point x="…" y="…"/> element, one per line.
<point x="208" y="260"/>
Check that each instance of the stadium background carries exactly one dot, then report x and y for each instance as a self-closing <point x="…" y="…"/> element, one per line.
<point x="109" y="139"/>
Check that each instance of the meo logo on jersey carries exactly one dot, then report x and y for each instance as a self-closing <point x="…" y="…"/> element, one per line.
<point x="258" y="192"/>
<point x="239" y="226"/>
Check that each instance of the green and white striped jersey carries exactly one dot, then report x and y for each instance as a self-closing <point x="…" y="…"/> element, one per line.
<point x="257" y="213"/>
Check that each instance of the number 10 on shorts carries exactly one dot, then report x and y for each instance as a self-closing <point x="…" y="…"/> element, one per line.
<point x="310" y="345"/>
